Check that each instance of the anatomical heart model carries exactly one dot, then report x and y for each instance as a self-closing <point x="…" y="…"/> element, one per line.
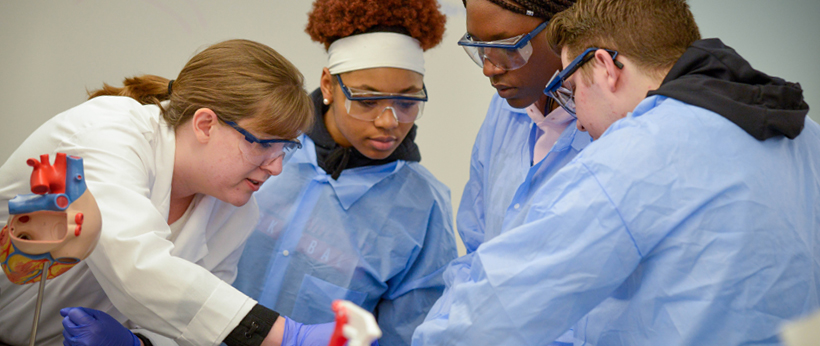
<point x="52" y="229"/>
<point x="354" y="326"/>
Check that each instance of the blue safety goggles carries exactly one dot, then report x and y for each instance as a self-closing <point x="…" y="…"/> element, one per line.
<point x="287" y="143"/>
<point x="508" y="54"/>
<point x="561" y="91"/>
<point x="369" y="105"/>
<point x="262" y="152"/>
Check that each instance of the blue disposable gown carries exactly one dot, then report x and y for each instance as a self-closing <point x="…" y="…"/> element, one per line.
<point x="502" y="183"/>
<point x="502" y="174"/>
<point x="379" y="236"/>
<point x="676" y="227"/>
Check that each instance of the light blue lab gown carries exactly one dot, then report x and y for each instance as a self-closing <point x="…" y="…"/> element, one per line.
<point x="379" y="236"/>
<point x="676" y="227"/>
<point x="502" y="183"/>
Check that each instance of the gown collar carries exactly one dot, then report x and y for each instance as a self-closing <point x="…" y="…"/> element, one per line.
<point x="351" y="185"/>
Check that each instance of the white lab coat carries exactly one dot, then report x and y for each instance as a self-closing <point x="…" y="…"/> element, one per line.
<point x="180" y="289"/>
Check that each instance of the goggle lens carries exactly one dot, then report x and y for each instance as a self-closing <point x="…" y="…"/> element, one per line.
<point x="506" y="59"/>
<point x="564" y="94"/>
<point x="370" y="105"/>
<point x="404" y="111"/>
<point x="264" y="154"/>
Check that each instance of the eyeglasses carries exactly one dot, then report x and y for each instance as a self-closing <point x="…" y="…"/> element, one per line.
<point x="563" y="92"/>
<point x="262" y="152"/>
<point x="369" y="105"/>
<point x="508" y="54"/>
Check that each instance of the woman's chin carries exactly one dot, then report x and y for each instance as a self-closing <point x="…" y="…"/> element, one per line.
<point x="377" y="150"/>
<point x="377" y="155"/>
<point x="236" y="199"/>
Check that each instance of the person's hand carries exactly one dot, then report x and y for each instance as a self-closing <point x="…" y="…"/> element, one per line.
<point x="298" y="334"/>
<point x="89" y="327"/>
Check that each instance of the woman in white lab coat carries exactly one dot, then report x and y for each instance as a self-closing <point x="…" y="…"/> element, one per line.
<point x="173" y="165"/>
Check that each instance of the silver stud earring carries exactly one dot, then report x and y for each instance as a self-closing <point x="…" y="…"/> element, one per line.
<point x="326" y="102"/>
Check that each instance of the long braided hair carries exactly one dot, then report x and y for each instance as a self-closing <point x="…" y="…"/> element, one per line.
<point x="543" y="9"/>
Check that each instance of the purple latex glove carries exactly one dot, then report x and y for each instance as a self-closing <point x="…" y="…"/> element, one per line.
<point x="89" y="327"/>
<point x="298" y="334"/>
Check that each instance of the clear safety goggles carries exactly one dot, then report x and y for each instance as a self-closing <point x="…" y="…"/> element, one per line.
<point x="369" y="105"/>
<point x="508" y="54"/>
<point x="563" y="91"/>
<point x="262" y="152"/>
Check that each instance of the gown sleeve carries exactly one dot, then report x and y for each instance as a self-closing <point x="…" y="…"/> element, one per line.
<point x="470" y="224"/>
<point x="534" y="282"/>
<point x="413" y="291"/>
<point x="471" y="210"/>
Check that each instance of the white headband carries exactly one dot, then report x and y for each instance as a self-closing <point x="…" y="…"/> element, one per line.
<point x="375" y="49"/>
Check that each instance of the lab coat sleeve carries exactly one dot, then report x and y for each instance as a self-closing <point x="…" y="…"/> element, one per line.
<point x="530" y="284"/>
<point x="133" y="262"/>
<point x="414" y="290"/>
<point x="227" y="269"/>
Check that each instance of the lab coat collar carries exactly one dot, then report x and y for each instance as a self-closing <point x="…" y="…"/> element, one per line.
<point x="163" y="141"/>
<point x="192" y="242"/>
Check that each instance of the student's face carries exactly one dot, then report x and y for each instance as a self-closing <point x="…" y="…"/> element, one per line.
<point x="596" y="105"/>
<point x="378" y="138"/>
<point x="521" y="87"/>
<point x="231" y="175"/>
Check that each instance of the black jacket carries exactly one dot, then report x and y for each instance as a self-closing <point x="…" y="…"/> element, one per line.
<point x="713" y="76"/>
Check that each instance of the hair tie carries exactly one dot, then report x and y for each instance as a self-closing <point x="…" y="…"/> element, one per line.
<point x="170" y="83"/>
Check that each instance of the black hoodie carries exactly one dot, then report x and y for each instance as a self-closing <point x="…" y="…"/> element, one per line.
<point x="713" y="76"/>
<point x="334" y="158"/>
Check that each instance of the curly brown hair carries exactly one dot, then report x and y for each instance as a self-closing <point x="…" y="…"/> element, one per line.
<point x="331" y="20"/>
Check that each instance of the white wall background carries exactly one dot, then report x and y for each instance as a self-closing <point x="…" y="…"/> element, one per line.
<point x="52" y="51"/>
